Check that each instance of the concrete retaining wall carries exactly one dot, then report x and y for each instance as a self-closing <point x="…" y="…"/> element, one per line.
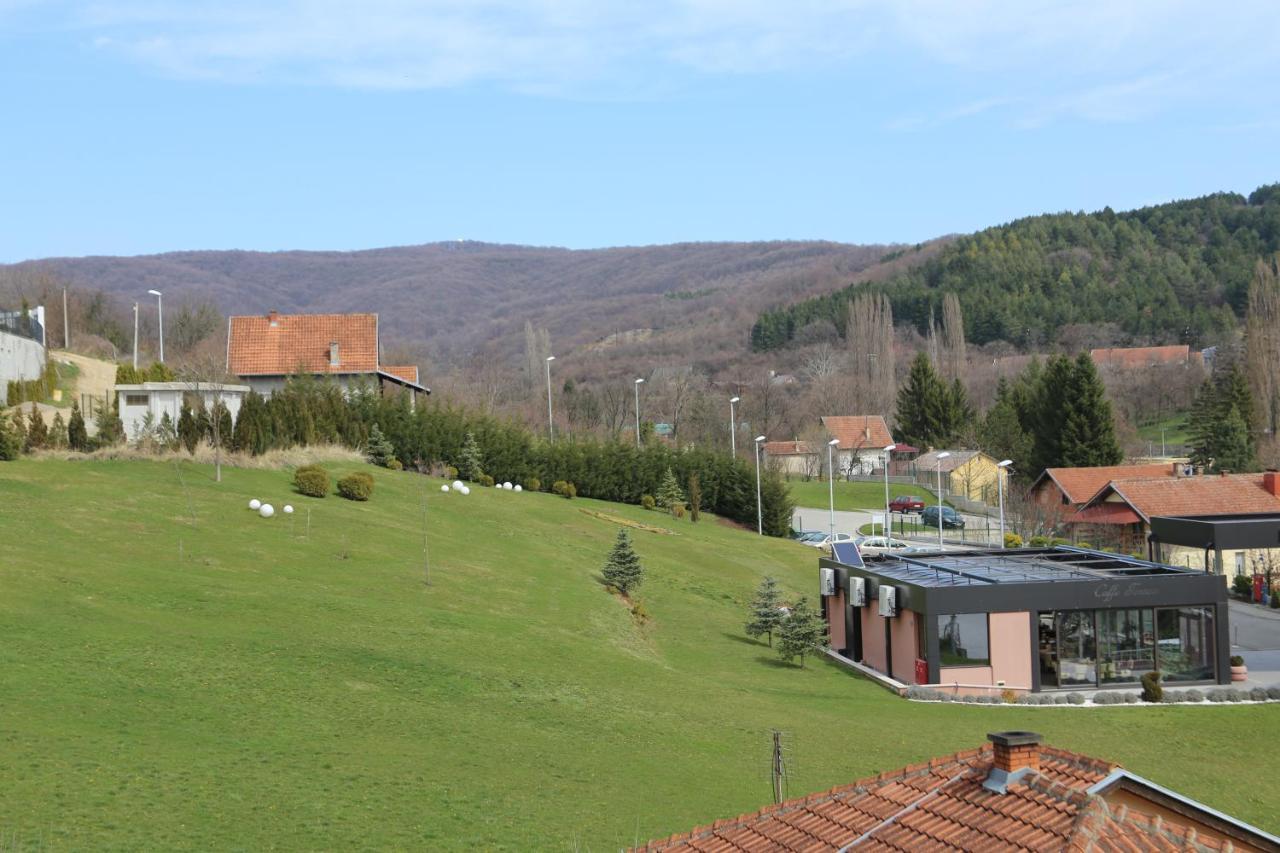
<point x="20" y="358"/>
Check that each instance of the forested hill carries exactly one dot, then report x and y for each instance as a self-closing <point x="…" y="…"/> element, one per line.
<point x="1172" y="273"/>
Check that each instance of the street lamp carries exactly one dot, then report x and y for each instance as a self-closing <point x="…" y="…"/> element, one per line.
<point x="733" y="427"/>
<point x="160" y="312"/>
<point x="135" y="336"/>
<point x="831" y="484"/>
<point x="943" y="455"/>
<point x="1000" y="475"/>
<point x="887" y="451"/>
<point x="638" y="383"/>
<point x="759" y="504"/>
<point x="551" y="424"/>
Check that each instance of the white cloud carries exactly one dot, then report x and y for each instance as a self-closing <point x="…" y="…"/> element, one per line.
<point x="1102" y="57"/>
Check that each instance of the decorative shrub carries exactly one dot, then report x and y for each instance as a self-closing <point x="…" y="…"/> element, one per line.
<point x="1242" y="586"/>
<point x="1275" y="601"/>
<point x="486" y="480"/>
<point x="564" y="489"/>
<point x="1235" y="694"/>
<point x="1132" y="698"/>
<point x="356" y="486"/>
<point x="1012" y="540"/>
<point x="1151" y="689"/>
<point x="1217" y="694"/>
<point x="1009" y="697"/>
<point x="1039" y="541"/>
<point x="450" y="472"/>
<point x="1104" y="698"/>
<point x="1192" y="695"/>
<point x="395" y="464"/>
<point x="677" y="510"/>
<point x="1236" y="660"/>
<point x="1258" y="694"/>
<point x="1075" y="698"/>
<point x="533" y="484"/>
<point x="648" y="501"/>
<point x="311" y="480"/>
<point x="1273" y="692"/>
<point x="1060" y="699"/>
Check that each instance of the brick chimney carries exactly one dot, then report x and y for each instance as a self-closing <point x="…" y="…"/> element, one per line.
<point x="273" y="319"/>
<point x="1271" y="481"/>
<point x="1014" y="754"/>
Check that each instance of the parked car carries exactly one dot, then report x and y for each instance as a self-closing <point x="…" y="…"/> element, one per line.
<point x="906" y="503"/>
<point x="882" y="545"/>
<point x="825" y="540"/>
<point x="950" y="518"/>
<point x="802" y="535"/>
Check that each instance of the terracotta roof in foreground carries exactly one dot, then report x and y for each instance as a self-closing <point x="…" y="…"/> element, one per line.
<point x="1080" y="484"/>
<point x="942" y="805"/>
<point x="858" y="432"/>
<point x="1210" y="494"/>
<point x="281" y="344"/>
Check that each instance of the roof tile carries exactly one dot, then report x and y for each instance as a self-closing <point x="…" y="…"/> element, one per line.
<point x="858" y="432"/>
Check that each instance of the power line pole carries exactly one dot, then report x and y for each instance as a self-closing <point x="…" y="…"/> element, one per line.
<point x="66" y="324"/>
<point x="776" y="768"/>
<point x="426" y="563"/>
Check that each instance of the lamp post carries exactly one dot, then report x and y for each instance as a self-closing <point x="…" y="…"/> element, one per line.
<point x="943" y="455"/>
<point x="551" y="424"/>
<point x="759" y="504"/>
<point x="887" y="451"/>
<point x="831" y="485"/>
<point x="160" y="312"/>
<point x="1002" y="470"/>
<point x="638" y="383"/>
<point x="135" y="336"/>
<point x="733" y="427"/>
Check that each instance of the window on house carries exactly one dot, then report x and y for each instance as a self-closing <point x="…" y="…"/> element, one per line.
<point x="137" y="399"/>
<point x="962" y="639"/>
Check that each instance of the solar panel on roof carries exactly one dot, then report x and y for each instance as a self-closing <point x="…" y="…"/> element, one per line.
<point x="848" y="553"/>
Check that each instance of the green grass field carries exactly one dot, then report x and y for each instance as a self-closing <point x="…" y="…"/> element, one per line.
<point x="856" y="495"/>
<point x="1176" y="427"/>
<point x="177" y="673"/>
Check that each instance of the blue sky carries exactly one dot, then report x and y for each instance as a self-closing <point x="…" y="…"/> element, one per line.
<point x="155" y="125"/>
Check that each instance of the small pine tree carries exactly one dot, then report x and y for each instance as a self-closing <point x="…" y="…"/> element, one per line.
<point x="695" y="497"/>
<point x="77" y="435"/>
<point x="380" y="451"/>
<point x="669" y="494"/>
<point x="188" y="429"/>
<point x="166" y="433"/>
<point x="37" y="432"/>
<point x="57" y="432"/>
<point x="10" y="441"/>
<point x="766" y="612"/>
<point x="802" y="632"/>
<point x="623" y="571"/>
<point x="110" y="427"/>
<point x="471" y="464"/>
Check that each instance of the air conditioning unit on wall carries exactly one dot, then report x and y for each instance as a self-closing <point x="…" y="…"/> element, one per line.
<point x="857" y="591"/>
<point x="827" y="581"/>
<point x="888" y="600"/>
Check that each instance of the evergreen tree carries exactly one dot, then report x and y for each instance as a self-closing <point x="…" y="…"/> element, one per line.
<point x="471" y="461"/>
<point x="1233" y="452"/>
<point x="766" y="610"/>
<point x="188" y="429"/>
<point x="1001" y="431"/>
<point x="1219" y="424"/>
<point x="110" y="427"/>
<point x="18" y="426"/>
<point x="57" y="432"/>
<point x="930" y="412"/>
<point x="669" y="495"/>
<point x="252" y="431"/>
<point x="77" y="435"/>
<point x="695" y="497"/>
<point x="1045" y="405"/>
<point x="802" y="632"/>
<point x="10" y="441"/>
<point x="37" y="432"/>
<point x="1087" y="433"/>
<point x="777" y="504"/>
<point x="221" y="430"/>
<point x="380" y="451"/>
<point x="623" y="571"/>
<point x="166" y="434"/>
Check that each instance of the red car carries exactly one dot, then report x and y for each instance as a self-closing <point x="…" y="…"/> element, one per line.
<point x="907" y="503"/>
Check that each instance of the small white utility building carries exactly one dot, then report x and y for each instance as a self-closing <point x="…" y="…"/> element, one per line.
<point x="161" y="398"/>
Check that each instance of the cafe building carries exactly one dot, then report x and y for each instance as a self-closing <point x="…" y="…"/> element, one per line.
<point x="1026" y="619"/>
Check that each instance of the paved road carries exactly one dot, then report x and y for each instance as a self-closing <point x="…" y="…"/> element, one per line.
<point x="848" y="521"/>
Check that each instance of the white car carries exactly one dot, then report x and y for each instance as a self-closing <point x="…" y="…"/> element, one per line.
<point x="882" y="545"/>
<point x="826" y="540"/>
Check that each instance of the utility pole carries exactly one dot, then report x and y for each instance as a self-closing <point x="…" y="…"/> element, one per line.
<point x="135" y="336"/>
<point x="426" y="563"/>
<point x="776" y="770"/>
<point x="66" y="324"/>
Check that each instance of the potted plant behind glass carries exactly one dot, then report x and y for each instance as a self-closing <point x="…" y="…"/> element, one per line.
<point x="1239" y="672"/>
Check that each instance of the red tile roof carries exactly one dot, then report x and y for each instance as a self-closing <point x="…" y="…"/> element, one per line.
<point x="1080" y="484"/>
<point x="787" y="448"/>
<point x="958" y="459"/>
<point x="1131" y="357"/>
<point x="942" y="805"/>
<point x="1105" y="513"/>
<point x="281" y="344"/>
<point x="407" y="372"/>
<point x="857" y="432"/>
<point x="1211" y="494"/>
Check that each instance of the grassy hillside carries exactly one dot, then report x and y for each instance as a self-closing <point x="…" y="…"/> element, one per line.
<point x="177" y="673"/>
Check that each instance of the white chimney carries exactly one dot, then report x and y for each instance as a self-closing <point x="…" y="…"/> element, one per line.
<point x="333" y="354"/>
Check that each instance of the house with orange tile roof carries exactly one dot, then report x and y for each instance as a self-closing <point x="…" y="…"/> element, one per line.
<point x="794" y="457"/>
<point x="264" y="350"/>
<point x="1013" y="794"/>
<point x="1131" y="358"/>
<point x="1070" y="488"/>
<point x="1119" y="515"/>
<point x="862" y="442"/>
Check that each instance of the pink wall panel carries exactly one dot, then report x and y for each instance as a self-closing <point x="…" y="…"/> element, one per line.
<point x="835" y="619"/>
<point x="873" y="649"/>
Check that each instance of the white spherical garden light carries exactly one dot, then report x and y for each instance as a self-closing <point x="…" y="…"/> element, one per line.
<point x="457" y="485"/>
<point x="517" y="488"/>
<point x="288" y="509"/>
<point x="266" y="510"/>
<point x="466" y="490"/>
<point x="255" y="503"/>
<point x="507" y="485"/>
<point x="445" y="487"/>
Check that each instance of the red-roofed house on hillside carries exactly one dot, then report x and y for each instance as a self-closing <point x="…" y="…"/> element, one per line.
<point x="1120" y="514"/>
<point x="862" y="438"/>
<point x="1129" y="358"/>
<point x="794" y="457"/>
<point x="1070" y="488"/>
<point x="264" y="350"/>
<point x="1013" y="794"/>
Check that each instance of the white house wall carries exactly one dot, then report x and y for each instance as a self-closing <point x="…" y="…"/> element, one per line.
<point x="20" y="359"/>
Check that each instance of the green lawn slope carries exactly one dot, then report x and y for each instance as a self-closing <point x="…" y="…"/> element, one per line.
<point x="177" y="673"/>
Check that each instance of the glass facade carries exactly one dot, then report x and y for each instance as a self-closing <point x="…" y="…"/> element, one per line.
<point x="963" y="639"/>
<point x="1094" y="648"/>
